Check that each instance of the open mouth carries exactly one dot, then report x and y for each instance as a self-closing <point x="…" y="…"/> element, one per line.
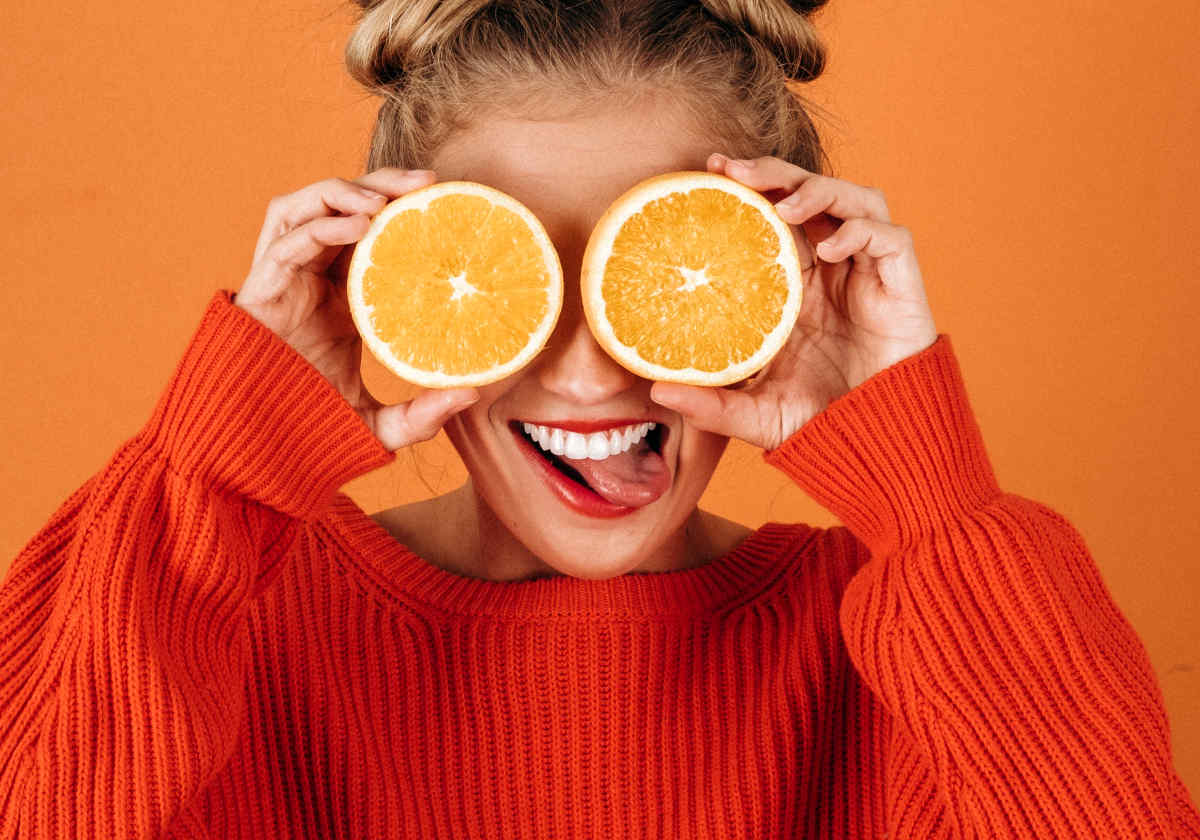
<point x="655" y="439"/>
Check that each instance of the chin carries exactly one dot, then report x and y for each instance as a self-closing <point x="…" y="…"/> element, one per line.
<point x="545" y="516"/>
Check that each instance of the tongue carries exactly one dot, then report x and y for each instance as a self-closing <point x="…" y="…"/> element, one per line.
<point x="633" y="478"/>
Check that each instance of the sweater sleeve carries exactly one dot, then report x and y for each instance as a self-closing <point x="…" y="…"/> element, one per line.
<point x="124" y="621"/>
<point x="982" y="624"/>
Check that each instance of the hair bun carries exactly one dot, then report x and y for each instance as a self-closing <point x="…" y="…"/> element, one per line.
<point x="392" y="34"/>
<point x="807" y="7"/>
<point x="782" y="26"/>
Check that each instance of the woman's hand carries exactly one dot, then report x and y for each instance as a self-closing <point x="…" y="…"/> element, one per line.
<point x="297" y="289"/>
<point x="864" y="307"/>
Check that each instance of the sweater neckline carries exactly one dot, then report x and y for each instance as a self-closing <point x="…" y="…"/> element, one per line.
<point x="744" y="574"/>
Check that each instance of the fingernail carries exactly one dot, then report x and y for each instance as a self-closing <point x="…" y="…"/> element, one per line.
<point x="662" y="396"/>
<point x="720" y="160"/>
<point x="373" y="194"/>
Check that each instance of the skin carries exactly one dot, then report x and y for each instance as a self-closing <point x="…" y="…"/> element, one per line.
<point x="503" y="523"/>
<point x="864" y="309"/>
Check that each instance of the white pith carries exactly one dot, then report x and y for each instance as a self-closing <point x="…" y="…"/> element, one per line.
<point x="597" y="445"/>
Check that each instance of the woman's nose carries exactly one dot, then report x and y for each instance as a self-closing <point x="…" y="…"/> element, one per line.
<point x="575" y="367"/>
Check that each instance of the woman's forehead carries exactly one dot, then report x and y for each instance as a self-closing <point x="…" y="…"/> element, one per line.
<point x="567" y="187"/>
<point x="614" y="149"/>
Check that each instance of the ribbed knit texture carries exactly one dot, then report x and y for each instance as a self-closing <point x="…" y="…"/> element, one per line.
<point x="208" y="640"/>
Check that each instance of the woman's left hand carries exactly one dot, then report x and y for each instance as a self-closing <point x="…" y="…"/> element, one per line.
<point x="863" y="308"/>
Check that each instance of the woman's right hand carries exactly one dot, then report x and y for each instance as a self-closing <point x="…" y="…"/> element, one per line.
<point x="297" y="289"/>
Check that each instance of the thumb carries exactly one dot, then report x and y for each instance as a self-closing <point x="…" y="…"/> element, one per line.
<point x="420" y="418"/>
<point x="720" y="410"/>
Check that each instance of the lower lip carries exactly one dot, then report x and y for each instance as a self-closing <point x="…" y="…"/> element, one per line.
<point x="571" y="493"/>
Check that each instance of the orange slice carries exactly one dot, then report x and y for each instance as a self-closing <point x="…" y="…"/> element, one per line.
<point x="691" y="277"/>
<point x="455" y="284"/>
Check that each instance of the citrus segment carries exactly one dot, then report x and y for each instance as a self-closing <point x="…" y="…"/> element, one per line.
<point x="692" y="277"/>
<point x="455" y="284"/>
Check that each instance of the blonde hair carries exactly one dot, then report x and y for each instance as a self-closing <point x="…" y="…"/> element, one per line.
<point x="733" y="64"/>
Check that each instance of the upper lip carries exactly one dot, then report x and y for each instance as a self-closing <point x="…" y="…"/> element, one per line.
<point x="585" y="426"/>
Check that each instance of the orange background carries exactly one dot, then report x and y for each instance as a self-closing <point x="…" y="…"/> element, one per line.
<point x="1038" y="151"/>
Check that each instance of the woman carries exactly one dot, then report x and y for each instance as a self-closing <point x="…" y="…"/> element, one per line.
<point x="207" y="640"/>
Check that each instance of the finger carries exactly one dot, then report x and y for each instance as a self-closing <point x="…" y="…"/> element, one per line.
<point x="311" y="246"/>
<point x="876" y="240"/>
<point x="809" y="193"/>
<point x="820" y="227"/>
<point x="420" y="418"/>
<point x="721" y="410"/>
<point x="324" y="198"/>
<point x="833" y="197"/>
<point x="394" y="182"/>
<point x="774" y="185"/>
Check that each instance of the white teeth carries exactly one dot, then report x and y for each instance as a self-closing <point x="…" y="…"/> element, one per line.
<point x="596" y="446"/>
<point x="577" y="446"/>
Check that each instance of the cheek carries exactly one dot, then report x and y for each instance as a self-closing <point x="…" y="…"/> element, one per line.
<point x="472" y="431"/>
<point x="471" y="423"/>
<point x="699" y="453"/>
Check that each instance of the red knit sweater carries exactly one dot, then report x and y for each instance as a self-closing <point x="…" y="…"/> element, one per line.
<point x="207" y="640"/>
